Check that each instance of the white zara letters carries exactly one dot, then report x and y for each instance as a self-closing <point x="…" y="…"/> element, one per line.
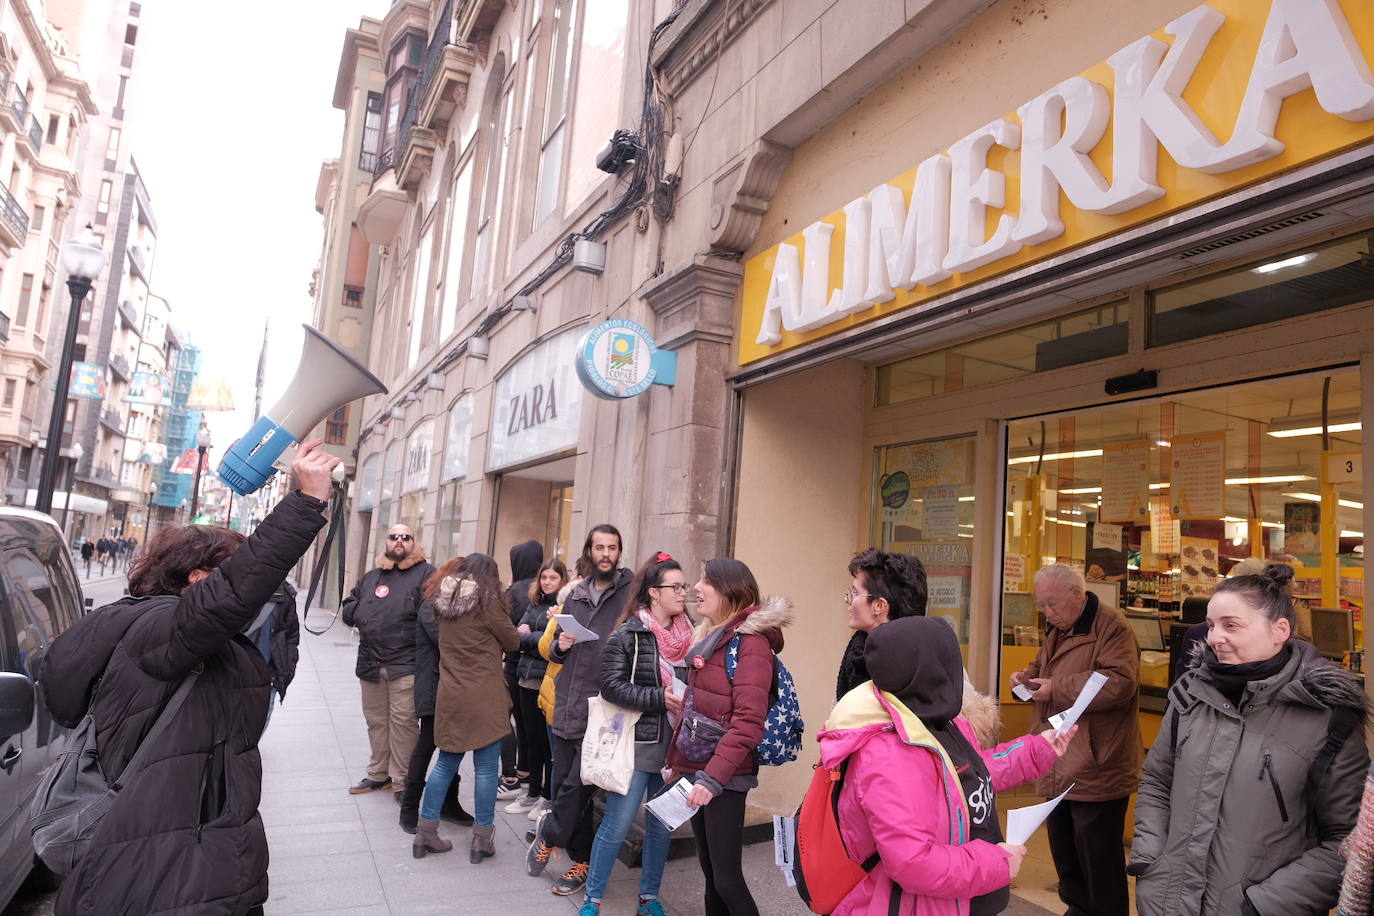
<point x="888" y="245"/>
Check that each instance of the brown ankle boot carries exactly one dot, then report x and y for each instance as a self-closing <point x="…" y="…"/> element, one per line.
<point x="482" y="845"/>
<point x="427" y="839"/>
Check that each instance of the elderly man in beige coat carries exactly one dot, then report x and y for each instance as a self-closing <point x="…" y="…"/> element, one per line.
<point x="1103" y="763"/>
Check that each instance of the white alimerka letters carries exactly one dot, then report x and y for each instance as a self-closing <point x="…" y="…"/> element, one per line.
<point x="890" y="246"/>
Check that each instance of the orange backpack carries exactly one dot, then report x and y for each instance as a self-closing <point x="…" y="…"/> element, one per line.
<point x="824" y="870"/>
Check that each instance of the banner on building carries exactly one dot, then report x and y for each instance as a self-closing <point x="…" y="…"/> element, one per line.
<point x="151" y="388"/>
<point x="87" y="381"/>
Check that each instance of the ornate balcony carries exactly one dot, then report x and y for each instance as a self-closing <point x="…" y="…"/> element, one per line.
<point x="127" y="314"/>
<point x="380" y="215"/>
<point x="444" y="76"/>
<point x="120" y="367"/>
<point x="14" y="221"/>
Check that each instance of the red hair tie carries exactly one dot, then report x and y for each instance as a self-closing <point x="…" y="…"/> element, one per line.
<point x="662" y="557"/>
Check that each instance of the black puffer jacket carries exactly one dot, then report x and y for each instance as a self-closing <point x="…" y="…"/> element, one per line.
<point x="525" y="560"/>
<point x="629" y="677"/>
<point x="532" y="664"/>
<point x="184" y="835"/>
<point x="382" y="606"/>
<point x="426" y="660"/>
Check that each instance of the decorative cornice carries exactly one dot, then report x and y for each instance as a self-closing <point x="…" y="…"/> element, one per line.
<point x="475" y="19"/>
<point x="417" y="158"/>
<point x="704" y="31"/>
<point x="447" y="92"/>
<point x="740" y="196"/>
<point x="694" y="302"/>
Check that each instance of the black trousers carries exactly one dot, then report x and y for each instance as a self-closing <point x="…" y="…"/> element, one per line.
<point x="537" y="755"/>
<point x="719" y="831"/>
<point x="568" y="825"/>
<point x="419" y="766"/>
<point x="512" y="746"/>
<point x="1089" y="855"/>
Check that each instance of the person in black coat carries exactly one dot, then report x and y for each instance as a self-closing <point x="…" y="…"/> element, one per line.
<point x="541" y="599"/>
<point x="525" y="559"/>
<point x="184" y="834"/>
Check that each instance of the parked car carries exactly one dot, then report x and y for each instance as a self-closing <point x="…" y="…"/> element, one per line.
<point x="39" y="598"/>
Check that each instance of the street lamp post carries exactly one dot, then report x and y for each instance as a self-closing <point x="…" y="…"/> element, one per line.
<point x="83" y="259"/>
<point x="76" y="452"/>
<point x="202" y="446"/>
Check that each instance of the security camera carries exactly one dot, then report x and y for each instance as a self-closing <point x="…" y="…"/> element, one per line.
<point x="618" y="152"/>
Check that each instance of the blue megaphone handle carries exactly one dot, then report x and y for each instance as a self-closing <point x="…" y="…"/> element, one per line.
<point x="249" y="464"/>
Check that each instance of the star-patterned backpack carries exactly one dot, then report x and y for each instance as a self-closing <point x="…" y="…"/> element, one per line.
<point x="783" y="727"/>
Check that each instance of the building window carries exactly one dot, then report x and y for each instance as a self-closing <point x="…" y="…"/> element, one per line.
<point x="112" y="147"/>
<point x="21" y="314"/>
<point x="119" y="99"/>
<point x="336" y="427"/>
<point x="353" y="296"/>
<point x="53" y="122"/>
<point x="44" y="299"/>
<point x="36" y="222"/>
<point x="402" y="71"/>
<point x="494" y="168"/>
<point x="102" y="205"/>
<point x="135" y="10"/>
<point x="372" y="134"/>
<point x="11" y="387"/>
<point x="68" y="421"/>
<point x="131" y="34"/>
<point x="555" y="111"/>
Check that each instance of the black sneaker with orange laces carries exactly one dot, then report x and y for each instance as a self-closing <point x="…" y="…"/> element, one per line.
<point x="573" y="880"/>
<point x="538" y="855"/>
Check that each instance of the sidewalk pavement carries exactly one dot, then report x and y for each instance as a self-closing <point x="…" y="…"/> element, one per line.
<point x="338" y="853"/>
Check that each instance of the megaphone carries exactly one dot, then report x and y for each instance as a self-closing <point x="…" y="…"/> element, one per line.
<point x="326" y="379"/>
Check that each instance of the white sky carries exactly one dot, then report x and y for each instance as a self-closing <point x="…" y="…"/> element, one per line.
<point x="231" y="119"/>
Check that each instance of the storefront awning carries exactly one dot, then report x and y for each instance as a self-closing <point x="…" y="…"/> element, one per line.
<point x="79" y="502"/>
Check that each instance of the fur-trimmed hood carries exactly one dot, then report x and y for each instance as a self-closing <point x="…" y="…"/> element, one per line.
<point x="416" y="556"/>
<point x="456" y="597"/>
<point x="767" y="620"/>
<point x="1311" y="679"/>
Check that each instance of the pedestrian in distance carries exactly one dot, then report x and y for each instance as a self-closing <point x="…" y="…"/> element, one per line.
<point x="1086" y="830"/>
<point x="525" y="560"/>
<point x="183" y="834"/>
<point x="87" y="551"/>
<point x="472" y="708"/>
<point x="730" y="605"/>
<point x="383" y="606"/>
<point x="1256" y="776"/>
<point x="426" y="690"/>
<point x="542" y="597"/>
<point x="917" y="790"/>
<point x="596" y="603"/>
<point x="639" y="671"/>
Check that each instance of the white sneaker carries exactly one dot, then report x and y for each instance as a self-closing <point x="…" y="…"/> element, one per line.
<point x="505" y="791"/>
<point x="540" y="808"/>
<point x="521" y="805"/>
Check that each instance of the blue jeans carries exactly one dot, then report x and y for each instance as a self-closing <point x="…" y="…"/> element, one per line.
<point x="486" y="765"/>
<point x="615" y="825"/>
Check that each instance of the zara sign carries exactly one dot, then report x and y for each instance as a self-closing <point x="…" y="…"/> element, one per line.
<point x="1292" y="85"/>
<point x="537" y="404"/>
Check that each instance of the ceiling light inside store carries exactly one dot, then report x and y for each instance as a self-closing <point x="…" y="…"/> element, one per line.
<point x="1057" y="456"/>
<point x="1232" y="518"/>
<point x="1314" y="498"/>
<point x="1294" y="261"/>
<point x="1350" y="427"/>
<point x="1064" y="521"/>
<point x="1277" y="478"/>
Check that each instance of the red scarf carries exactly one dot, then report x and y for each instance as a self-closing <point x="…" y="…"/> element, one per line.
<point x="673" y="642"/>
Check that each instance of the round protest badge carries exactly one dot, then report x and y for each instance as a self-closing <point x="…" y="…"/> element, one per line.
<point x="382" y="591"/>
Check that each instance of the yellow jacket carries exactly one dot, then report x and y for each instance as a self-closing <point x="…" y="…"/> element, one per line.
<point x="546" y="689"/>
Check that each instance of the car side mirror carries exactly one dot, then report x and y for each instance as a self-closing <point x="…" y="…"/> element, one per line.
<point x="16" y="702"/>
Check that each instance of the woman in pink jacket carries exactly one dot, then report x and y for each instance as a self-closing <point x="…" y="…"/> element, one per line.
<point x="917" y="788"/>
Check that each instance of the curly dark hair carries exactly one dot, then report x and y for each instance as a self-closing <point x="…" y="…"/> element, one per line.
<point x="164" y="567"/>
<point x="898" y="577"/>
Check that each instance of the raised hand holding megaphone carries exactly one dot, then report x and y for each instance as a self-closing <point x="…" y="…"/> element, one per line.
<point x="326" y="379"/>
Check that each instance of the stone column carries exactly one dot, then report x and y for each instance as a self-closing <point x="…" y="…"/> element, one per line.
<point x="686" y="464"/>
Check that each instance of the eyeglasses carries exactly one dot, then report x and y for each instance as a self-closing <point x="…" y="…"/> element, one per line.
<point x="400" y="537"/>
<point x="850" y="595"/>
<point x="678" y="588"/>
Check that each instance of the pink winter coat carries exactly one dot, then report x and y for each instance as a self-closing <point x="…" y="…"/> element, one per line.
<point x="902" y="798"/>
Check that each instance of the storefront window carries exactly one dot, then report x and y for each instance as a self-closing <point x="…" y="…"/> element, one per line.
<point x="1281" y="286"/>
<point x="1156" y="501"/>
<point x="560" y="519"/>
<point x="924" y="503"/>
<point x="450" y="517"/>
<point x="1084" y="336"/>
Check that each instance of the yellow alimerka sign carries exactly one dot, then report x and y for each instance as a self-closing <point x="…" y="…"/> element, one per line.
<point x="1230" y="93"/>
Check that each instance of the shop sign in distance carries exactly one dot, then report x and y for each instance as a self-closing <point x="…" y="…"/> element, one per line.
<point x="619" y="359"/>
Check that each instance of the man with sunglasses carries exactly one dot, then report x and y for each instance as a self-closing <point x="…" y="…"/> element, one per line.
<point x="382" y="606"/>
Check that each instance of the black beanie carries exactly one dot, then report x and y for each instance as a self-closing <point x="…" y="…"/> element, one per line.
<point x="917" y="660"/>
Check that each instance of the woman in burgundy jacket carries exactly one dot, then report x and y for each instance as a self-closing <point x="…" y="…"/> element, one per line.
<point x="729" y="603"/>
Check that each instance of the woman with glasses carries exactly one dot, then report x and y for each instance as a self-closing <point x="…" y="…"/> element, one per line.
<point x="638" y="671"/>
<point x="472" y="710"/>
<point x="723" y="770"/>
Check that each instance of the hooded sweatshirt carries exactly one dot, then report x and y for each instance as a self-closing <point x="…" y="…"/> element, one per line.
<point x="903" y="796"/>
<point x="525" y="560"/>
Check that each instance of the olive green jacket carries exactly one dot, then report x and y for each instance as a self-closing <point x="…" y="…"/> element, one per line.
<point x="1227" y="820"/>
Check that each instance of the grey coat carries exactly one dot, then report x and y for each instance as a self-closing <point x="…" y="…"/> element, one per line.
<point x="580" y="676"/>
<point x="1226" y="816"/>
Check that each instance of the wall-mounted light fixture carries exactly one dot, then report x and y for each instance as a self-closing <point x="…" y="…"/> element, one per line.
<point x="479" y="347"/>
